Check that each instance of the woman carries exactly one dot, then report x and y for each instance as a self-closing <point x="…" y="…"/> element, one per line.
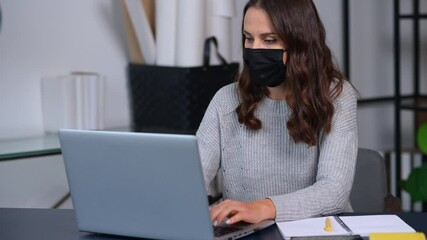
<point x="283" y="139"/>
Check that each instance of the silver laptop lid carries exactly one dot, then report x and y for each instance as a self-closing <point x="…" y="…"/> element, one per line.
<point x="136" y="184"/>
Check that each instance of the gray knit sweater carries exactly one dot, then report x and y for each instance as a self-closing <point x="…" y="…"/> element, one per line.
<point x="301" y="181"/>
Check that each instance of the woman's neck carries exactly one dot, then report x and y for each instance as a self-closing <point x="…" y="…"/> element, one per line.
<point x="277" y="93"/>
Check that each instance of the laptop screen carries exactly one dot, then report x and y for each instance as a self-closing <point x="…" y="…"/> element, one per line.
<point x="136" y="184"/>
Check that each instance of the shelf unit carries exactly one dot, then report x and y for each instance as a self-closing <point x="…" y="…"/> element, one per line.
<point x="415" y="102"/>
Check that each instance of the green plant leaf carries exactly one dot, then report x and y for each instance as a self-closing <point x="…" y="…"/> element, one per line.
<point x="416" y="184"/>
<point x="422" y="138"/>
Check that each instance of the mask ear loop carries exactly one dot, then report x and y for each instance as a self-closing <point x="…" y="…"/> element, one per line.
<point x="283" y="58"/>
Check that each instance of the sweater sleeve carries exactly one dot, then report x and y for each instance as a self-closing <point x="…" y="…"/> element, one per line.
<point x="336" y="164"/>
<point x="208" y="137"/>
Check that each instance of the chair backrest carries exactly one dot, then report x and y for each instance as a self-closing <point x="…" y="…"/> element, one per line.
<point x="370" y="183"/>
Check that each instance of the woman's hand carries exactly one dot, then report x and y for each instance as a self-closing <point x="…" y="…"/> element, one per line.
<point x="251" y="212"/>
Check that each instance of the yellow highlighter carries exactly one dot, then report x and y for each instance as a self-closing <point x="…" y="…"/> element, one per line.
<point x="328" y="225"/>
<point x="397" y="236"/>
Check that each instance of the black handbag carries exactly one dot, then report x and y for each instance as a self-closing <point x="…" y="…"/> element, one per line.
<point x="174" y="99"/>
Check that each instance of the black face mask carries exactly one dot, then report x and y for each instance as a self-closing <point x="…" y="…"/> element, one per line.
<point x="265" y="66"/>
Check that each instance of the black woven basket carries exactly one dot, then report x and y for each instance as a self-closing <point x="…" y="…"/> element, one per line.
<point x="174" y="99"/>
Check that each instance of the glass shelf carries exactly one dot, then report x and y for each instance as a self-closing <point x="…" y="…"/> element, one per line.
<point x="36" y="146"/>
<point x="29" y="147"/>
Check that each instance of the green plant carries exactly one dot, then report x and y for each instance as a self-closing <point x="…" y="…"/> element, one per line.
<point x="416" y="184"/>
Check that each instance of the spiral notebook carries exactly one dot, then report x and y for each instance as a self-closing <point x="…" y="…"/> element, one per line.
<point x="344" y="225"/>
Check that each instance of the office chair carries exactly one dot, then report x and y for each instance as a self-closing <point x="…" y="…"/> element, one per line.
<point x="369" y="192"/>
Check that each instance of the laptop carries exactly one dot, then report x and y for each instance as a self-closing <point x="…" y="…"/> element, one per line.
<point x="145" y="185"/>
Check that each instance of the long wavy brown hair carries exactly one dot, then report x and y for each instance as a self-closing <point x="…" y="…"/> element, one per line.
<point x="310" y="71"/>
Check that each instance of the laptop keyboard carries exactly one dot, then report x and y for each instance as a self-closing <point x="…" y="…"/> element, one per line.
<point x="223" y="230"/>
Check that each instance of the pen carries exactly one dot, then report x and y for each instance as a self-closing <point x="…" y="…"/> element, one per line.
<point x="340" y="222"/>
<point x="328" y="225"/>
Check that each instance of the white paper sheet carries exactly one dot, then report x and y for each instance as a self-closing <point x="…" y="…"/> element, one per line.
<point x="190" y="33"/>
<point x="224" y="8"/>
<point x="143" y="31"/>
<point x="219" y="24"/>
<point x="58" y="103"/>
<point x="309" y="227"/>
<point x="166" y="24"/>
<point x="361" y="225"/>
<point x="73" y="101"/>
<point x="100" y="117"/>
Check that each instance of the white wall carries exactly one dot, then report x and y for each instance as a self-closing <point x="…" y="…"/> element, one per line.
<point x="371" y="64"/>
<point x="55" y="37"/>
